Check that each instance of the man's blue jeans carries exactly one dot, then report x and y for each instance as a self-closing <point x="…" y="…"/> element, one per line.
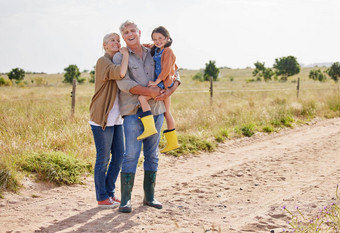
<point x="108" y="141"/>
<point x="133" y="127"/>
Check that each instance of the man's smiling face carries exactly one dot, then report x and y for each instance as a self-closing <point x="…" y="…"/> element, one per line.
<point x="131" y="35"/>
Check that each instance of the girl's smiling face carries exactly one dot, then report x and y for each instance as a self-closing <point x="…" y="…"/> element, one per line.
<point x="159" y="40"/>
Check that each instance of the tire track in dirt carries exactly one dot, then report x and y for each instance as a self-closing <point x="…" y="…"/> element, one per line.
<point x="270" y="171"/>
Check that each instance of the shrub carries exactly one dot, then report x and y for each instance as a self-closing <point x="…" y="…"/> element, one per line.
<point x="287" y="121"/>
<point x="222" y="136"/>
<point x="317" y="75"/>
<point x="334" y="71"/>
<point x="268" y="129"/>
<point x="5" y="82"/>
<point x="190" y="145"/>
<point x="81" y="80"/>
<point x="248" y="130"/>
<point x="7" y="180"/>
<point x="92" y="75"/>
<point x="219" y="138"/>
<point x="308" y="108"/>
<point x="261" y="71"/>
<point x="39" y="81"/>
<point x="2" y="81"/>
<point x="55" y="167"/>
<point x="198" y="76"/>
<point x="21" y="84"/>
<point x="334" y="104"/>
<point x="282" y="119"/>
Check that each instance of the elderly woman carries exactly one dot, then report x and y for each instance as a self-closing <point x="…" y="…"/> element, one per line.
<point x="106" y="121"/>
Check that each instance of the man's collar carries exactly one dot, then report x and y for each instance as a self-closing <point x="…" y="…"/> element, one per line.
<point x="143" y="48"/>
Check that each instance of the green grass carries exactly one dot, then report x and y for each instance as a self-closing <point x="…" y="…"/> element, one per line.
<point x="36" y="118"/>
<point x="222" y="135"/>
<point x="193" y="144"/>
<point x="8" y="181"/>
<point x="248" y="130"/>
<point x="55" y="167"/>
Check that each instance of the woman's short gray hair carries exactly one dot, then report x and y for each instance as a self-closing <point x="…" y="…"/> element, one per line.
<point x="127" y="23"/>
<point x="107" y="36"/>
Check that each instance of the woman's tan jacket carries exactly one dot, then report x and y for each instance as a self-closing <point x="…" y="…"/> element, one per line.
<point x="105" y="90"/>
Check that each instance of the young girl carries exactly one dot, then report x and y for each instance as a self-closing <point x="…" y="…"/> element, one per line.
<point x="165" y="68"/>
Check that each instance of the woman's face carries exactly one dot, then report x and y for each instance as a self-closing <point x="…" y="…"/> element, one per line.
<point x="159" y="40"/>
<point x="113" y="44"/>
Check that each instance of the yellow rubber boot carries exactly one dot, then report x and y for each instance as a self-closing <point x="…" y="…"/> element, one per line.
<point x="149" y="127"/>
<point x="171" y="139"/>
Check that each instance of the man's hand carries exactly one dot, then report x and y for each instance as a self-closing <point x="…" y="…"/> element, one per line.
<point x="167" y="92"/>
<point x="155" y="91"/>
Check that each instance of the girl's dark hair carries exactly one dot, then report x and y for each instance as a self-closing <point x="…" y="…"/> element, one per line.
<point x="162" y="30"/>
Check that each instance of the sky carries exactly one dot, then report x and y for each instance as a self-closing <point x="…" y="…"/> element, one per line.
<point x="48" y="35"/>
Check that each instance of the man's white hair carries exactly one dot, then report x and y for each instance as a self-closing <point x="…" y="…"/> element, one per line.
<point x="127" y="23"/>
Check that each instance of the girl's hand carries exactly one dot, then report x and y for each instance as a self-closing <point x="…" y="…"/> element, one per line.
<point x="152" y="84"/>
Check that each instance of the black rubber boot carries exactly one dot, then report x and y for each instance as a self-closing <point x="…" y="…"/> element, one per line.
<point x="127" y="180"/>
<point x="149" y="190"/>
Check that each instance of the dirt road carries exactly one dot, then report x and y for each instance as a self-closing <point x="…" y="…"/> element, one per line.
<point x="241" y="187"/>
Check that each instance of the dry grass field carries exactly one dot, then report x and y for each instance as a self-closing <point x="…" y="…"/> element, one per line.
<point x="245" y="124"/>
<point x="36" y="118"/>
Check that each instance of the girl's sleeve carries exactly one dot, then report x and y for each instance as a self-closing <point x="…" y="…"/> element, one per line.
<point x="168" y="63"/>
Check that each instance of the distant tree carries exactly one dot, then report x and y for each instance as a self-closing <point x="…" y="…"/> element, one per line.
<point x="267" y="74"/>
<point x="286" y="66"/>
<point x="261" y="71"/>
<point x="211" y="71"/>
<point x="317" y="75"/>
<point x="334" y="71"/>
<point x="17" y="74"/>
<point x="258" y="68"/>
<point x="92" y="75"/>
<point x="72" y="72"/>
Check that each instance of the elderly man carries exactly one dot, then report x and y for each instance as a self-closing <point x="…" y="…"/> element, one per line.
<point x="140" y="72"/>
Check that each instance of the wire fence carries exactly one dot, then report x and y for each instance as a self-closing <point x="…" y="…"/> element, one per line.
<point x="206" y="90"/>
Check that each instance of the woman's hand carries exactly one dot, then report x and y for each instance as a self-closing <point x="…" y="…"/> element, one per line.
<point x="124" y="51"/>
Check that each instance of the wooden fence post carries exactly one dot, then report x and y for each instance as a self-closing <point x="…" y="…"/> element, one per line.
<point x="211" y="87"/>
<point x="298" y="88"/>
<point x="73" y="95"/>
